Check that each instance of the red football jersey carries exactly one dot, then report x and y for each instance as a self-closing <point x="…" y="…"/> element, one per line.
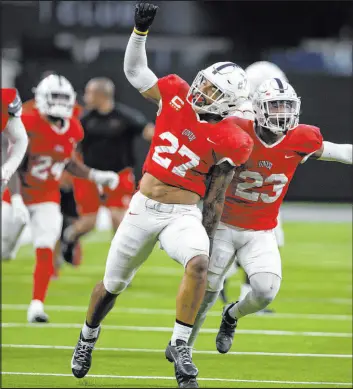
<point x="183" y="147"/>
<point x="49" y="150"/>
<point x="256" y="192"/>
<point x="8" y="96"/>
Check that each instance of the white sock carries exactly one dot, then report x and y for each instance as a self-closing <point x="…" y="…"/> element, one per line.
<point x="181" y="332"/>
<point x="90" y="333"/>
<point x="244" y="290"/>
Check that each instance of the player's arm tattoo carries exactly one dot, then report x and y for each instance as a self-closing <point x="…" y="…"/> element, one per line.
<point x="213" y="203"/>
<point x="77" y="168"/>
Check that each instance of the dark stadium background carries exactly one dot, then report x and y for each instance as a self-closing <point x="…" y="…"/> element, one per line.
<point x="310" y="41"/>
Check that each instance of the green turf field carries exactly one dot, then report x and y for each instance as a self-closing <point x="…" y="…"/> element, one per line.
<point x="308" y="343"/>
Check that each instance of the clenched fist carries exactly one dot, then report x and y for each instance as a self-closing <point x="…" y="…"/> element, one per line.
<point x="144" y="16"/>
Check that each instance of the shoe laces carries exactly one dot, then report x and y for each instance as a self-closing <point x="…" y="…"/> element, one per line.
<point x="184" y="353"/>
<point x="83" y="350"/>
<point x="226" y="327"/>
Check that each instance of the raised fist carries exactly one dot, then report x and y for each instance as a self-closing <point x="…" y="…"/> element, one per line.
<point x="144" y="16"/>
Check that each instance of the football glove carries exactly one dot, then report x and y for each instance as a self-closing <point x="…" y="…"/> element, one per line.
<point x="144" y="16"/>
<point x="105" y="178"/>
<point x="20" y="212"/>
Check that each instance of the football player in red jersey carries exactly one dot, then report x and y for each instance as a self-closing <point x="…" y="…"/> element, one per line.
<point x="53" y="134"/>
<point x="253" y="200"/>
<point x="257" y="73"/>
<point x="192" y="139"/>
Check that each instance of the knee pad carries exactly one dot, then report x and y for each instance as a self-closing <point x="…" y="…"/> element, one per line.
<point x="265" y="286"/>
<point x="214" y="282"/>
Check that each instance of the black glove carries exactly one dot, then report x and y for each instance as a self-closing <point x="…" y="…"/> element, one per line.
<point x="144" y="15"/>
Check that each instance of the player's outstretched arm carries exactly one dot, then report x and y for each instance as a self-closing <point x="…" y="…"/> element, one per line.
<point x="136" y="67"/>
<point x="213" y="203"/>
<point x="16" y="133"/>
<point x="100" y="177"/>
<point x="334" y="152"/>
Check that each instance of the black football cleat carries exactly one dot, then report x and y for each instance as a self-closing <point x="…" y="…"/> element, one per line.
<point x="225" y="336"/>
<point x="82" y="356"/>
<point x="185" y="371"/>
<point x="185" y="382"/>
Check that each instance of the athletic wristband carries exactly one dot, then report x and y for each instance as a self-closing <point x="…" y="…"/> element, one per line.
<point x="136" y="31"/>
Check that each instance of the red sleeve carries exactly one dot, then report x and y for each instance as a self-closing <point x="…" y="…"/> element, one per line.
<point x="307" y="139"/>
<point x="233" y="144"/>
<point x="170" y="85"/>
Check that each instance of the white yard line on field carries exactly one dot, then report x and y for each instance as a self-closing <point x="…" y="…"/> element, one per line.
<point x="171" y="312"/>
<point x="202" y="352"/>
<point x="129" y="377"/>
<point x="169" y="329"/>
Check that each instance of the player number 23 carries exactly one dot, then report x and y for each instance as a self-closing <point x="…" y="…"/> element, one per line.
<point x="172" y="149"/>
<point x="244" y="189"/>
<point x="45" y="166"/>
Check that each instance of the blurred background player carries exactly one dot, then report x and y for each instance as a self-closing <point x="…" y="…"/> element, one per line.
<point x="14" y="142"/>
<point x="53" y="135"/>
<point x="257" y="73"/>
<point x="67" y="200"/>
<point x="110" y="130"/>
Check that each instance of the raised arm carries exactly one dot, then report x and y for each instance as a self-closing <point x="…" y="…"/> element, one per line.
<point x="17" y="135"/>
<point x="213" y="203"/>
<point x="334" y="152"/>
<point x="136" y="67"/>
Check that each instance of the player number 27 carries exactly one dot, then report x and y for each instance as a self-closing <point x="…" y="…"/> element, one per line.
<point x="45" y="166"/>
<point x="172" y="149"/>
<point x="244" y="189"/>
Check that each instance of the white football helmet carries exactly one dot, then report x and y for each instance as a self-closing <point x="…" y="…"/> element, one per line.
<point x="230" y="89"/>
<point x="276" y="105"/>
<point x="55" y="96"/>
<point x="260" y="71"/>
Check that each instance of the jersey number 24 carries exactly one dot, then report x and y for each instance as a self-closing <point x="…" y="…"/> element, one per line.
<point x="180" y="170"/>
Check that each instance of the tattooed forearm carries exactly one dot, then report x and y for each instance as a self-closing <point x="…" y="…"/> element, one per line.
<point x="77" y="168"/>
<point x="214" y="200"/>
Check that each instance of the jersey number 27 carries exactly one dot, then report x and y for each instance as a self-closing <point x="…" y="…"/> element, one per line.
<point x="172" y="149"/>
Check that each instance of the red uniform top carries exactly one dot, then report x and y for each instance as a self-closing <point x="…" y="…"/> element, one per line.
<point x="9" y="96"/>
<point x="49" y="150"/>
<point x="256" y="192"/>
<point x="183" y="147"/>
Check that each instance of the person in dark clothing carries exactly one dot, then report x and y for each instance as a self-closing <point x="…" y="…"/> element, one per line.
<point x="110" y="130"/>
